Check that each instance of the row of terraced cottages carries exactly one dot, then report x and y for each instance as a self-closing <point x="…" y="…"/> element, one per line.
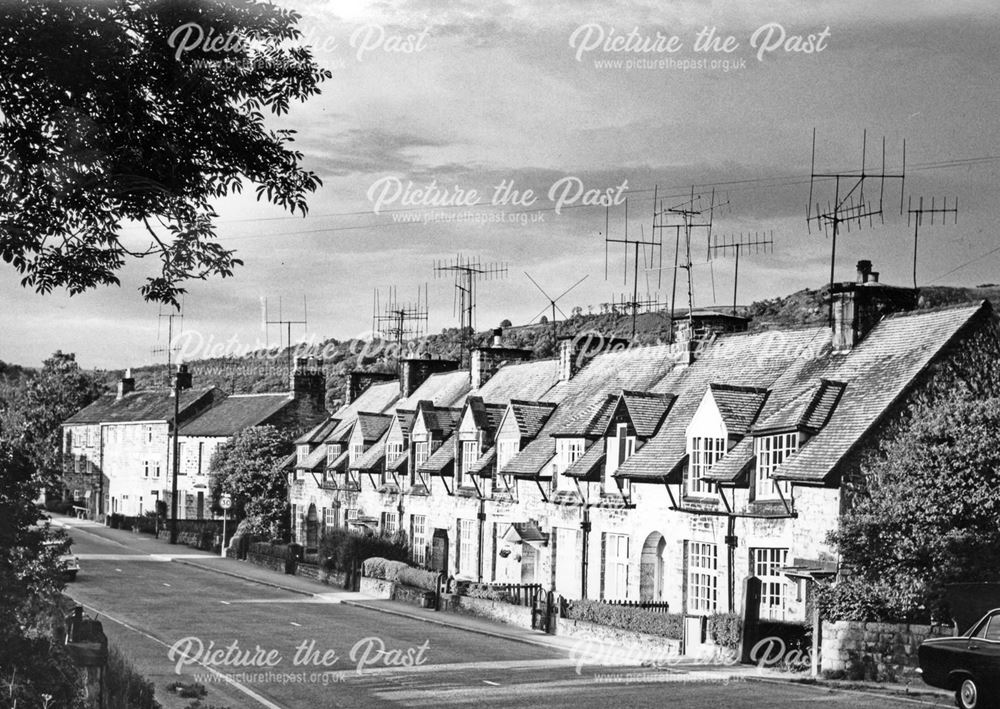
<point x="661" y="473"/>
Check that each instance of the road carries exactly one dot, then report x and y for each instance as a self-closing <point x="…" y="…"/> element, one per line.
<point x="254" y="646"/>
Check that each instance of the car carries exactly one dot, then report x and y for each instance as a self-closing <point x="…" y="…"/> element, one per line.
<point x="967" y="664"/>
<point x="69" y="564"/>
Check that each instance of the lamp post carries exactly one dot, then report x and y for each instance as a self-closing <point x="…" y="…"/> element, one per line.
<point x="181" y="381"/>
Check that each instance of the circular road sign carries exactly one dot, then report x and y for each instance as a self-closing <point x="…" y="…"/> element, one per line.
<point x="225" y="502"/>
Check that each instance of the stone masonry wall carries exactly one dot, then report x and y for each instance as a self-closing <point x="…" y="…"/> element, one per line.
<point x="883" y="652"/>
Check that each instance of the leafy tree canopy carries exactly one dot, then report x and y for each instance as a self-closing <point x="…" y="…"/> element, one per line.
<point x="245" y="467"/>
<point x="58" y="391"/>
<point x="141" y="112"/>
<point x="928" y="515"/>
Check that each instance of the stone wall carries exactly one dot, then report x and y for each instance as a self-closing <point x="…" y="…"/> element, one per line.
<point x="604" y="645"/>
<point x="376" y="587"/>
<point x="881" y="652"/>
<point x="496" y="611"/>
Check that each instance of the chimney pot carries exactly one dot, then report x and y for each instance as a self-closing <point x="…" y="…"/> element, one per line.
<point x="864" y="270"/>
<point x="498" y="337"/>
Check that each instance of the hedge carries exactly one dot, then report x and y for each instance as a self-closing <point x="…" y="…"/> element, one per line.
<point x="668" y="625"/>
<point x="124" y="688"/>
<point x="726" y="629"/>
<point x="276" y="551"/>
<point x="418" y="578"/>
<point x="378" y="568"/>
<point x="344" y="549"/>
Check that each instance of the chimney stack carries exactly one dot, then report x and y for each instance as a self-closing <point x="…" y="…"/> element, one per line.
<point x="858" y="307"/>
<point x="126" y="385"/>
<point x="415" y="371"/>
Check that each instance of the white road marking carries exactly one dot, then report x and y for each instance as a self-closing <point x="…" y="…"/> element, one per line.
<point x="225" y="603"/>
<point x="224" y="677"/>
<point x="492" y="684"/>
<point x="295" y="624"/>
<point x="166" y="584"/>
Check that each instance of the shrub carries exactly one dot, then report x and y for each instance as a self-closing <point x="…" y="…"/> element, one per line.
<point x="378" y="568"/>
<point x="124" y="687"/>
<point x="857" y="599"/>
<point x="668" y="625"/>
<point x="488" y="592"/>
<point x="726" y="629"/>
<point x="418" y="578"/>
<point x="344" y="549"/>
<point x="275" y="551"/>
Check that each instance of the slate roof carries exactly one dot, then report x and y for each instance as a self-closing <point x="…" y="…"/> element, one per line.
<point x="531" y="415"/>
<point x="441" y="389"/>
<point x="789" y="364"/>
<point x="486" y="416"/>
<point x="339" y="464"/>
<point x="759" y="360"/>
<point x="371" y="459"/>
<point x="522" y="380"/>
<point x="373" y="426"/>
<point x="288" y="462"/>
<point x="442" y="460"/>
<point x="735" y="463"/>
<point x="400" y="465"/>
<point x="738" y="405"/>
<point x="809" y="411"/>
<point x="878" y="372"/>
<point x="143" y="405"/>
<point x="529" y="462"/>
<point x="646" y="410"/>
<point x="406" y="417"/>
<point x="342" y="432"/>
<point x="235" y="413"/>
<point x="591" y="421"/>
<point x="313" y="460"/>
<point x="588" y="466"/>
<point x="440" y="419"/>
<point x="378" y="398"/>
<point x="319" y="432"/>
<point x="483" y="467"/>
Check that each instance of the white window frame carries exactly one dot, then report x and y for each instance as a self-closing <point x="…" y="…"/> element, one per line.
<point x="470" y="454"/>
<point x="388" y="524"/>
<point x="329" y="517"/>
<point x="703" y="453"/>
<point x="703" y="577"/>
<point x="146" y="467"/>
<point x="507" y="450"/>
<point x="418" y="538"/>
<point x="568" y="451"/>
<point x="766" y="564"/>
<point x="421" y="452"/>
<point x="772" y="451"/>
<point x="616" y="553"/>
<point x="357" y="450"/>
<point x="466" y="547"/>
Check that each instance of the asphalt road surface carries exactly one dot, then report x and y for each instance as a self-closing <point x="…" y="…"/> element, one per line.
<point x="254" y="646"/>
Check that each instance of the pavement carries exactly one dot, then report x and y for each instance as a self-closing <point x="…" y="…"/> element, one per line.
<point x="132" y="544"/>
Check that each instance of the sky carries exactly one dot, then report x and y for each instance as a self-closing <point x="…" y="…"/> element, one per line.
<point x="588" y="105"/>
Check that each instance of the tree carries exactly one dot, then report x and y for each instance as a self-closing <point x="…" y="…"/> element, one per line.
<point x="246" y="467"/>
<point x="505" y="323"/>
<point x="58" y="391"/>
<point x="928" y="514"/>
<point x="33" y="660"/>
<point x="141" y="112"/>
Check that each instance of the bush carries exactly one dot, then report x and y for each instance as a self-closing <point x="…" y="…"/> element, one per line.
<point x="344" y="549"/>
<point x="487" y="592"/>
<point x="275" y="551"/>
<point x="418" y="578"/>
<point x="726" y="629"/>
<point x="857" y="599"/>
<point x="378" y="568"/>
<point x="124" y="687"/>
<point x="668" y="625"/>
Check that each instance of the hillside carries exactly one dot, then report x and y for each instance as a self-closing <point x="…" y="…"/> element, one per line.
<point x="267" y="371"/>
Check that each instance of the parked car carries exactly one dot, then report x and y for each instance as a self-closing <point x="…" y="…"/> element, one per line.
<point x="969" y="664"/>
<point x="69" y="564"/>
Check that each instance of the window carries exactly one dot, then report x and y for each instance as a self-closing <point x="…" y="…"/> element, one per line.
<point x="703" y="452"/>
<point x="69" y="441"/>
<point x="466" y="547"/>
<point x="201" y="456"/>
<point x="388" y="523"/>
<point x="421" y="452"/>
<point x="295" y="522"/>
<point x="568" y="451"/>
<point x="156" y="469"/>
<point x="506" y="450"/>
<point x="418" y="538"/>
<point x="393" y="450"/>
<point x="616" y="567"/>
<point x="772" y="451"/>
<point x="703" y="578"/>
<point x="357" y="449"/>
<point x="350" y="515"/>
<point x="145" y="468"/>
<point x="148" y="433"/>
<point x="767" y="565"/>
<point x="329" y="517"/>
<point x="470" y="454"/>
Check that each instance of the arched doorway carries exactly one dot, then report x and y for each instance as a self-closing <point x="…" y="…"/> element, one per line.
<point x="651" y="568"/>
<point x="312" y="530"/>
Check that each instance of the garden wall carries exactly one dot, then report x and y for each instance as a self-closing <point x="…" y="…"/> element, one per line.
<point x="881" y="652"/>
<point x="496" y="611"/>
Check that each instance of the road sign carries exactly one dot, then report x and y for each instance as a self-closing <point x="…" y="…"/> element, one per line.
<point x="225" y="502"/>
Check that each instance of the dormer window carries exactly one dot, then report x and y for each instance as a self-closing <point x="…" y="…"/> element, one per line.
<point x="703" y="452"/>
<point x="421" y="452"/>
<point x="772" y="451"/>
<point x="568" y="451"/>
<point x="357" y="450"/>
<point x="470" y="453"/>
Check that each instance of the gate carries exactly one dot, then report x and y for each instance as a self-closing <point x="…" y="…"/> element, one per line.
<point x="545" y="612"/>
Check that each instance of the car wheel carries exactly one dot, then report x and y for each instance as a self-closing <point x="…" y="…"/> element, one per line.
<point x="967" y="695"/>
